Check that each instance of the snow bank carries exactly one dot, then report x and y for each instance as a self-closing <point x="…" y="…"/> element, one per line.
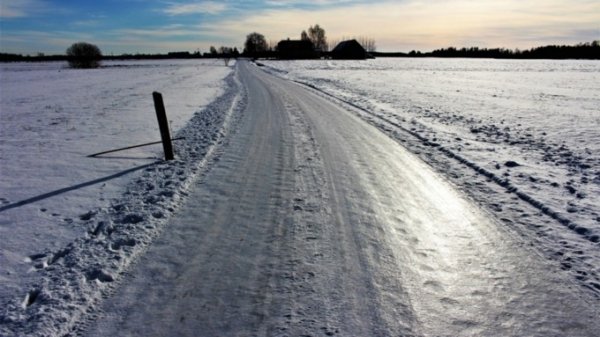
<point x="521" y="137"/>
<point x="65" y="247"/>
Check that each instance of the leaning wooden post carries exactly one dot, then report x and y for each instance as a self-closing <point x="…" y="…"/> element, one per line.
<point x="163" y="125"/>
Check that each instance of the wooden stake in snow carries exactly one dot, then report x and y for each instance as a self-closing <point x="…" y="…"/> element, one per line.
<point x="163" y="125"/>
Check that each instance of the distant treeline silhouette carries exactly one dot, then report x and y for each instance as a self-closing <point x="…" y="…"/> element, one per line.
<point x="5" y="57"/>
<point x="589" y="51"/>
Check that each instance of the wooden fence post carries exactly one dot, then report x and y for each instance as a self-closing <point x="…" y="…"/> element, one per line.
<point x="163" y="125"/>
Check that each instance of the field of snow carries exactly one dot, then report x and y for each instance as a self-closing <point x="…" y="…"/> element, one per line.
<point x="55" y="200"/>
<point x="521" y="137"/>
<point x="314" y="223"/>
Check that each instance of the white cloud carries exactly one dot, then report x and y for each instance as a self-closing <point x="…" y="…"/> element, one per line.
<point x="50" y="42"/>
<point x="20" y="8"/>
<point x="160" y="32"/>
<point x="303" y="2"/>
<point x="414" y="24"/>
<point x="206" y="7"/>
<point x="395" y="25"/>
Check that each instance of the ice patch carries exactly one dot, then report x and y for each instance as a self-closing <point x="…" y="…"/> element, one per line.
<point x="530" y="159"/>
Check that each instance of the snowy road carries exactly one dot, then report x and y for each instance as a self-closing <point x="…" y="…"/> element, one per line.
<point x="312" y="222"/>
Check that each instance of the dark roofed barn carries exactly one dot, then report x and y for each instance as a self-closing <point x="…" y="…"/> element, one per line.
<point x="349" y="50"/>
<point x="296" y="49"/>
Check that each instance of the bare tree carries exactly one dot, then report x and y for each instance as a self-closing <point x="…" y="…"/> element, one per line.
<point x="367" y="43"/>
<point x="304" y="36"/>
<point x="272" y="45"/>
<point x="226" y="54"/>
<point x="316" y="34"/>
<point x="333" y="43"/>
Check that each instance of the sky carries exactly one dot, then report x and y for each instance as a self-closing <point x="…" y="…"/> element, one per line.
<point x="159" y="26"/>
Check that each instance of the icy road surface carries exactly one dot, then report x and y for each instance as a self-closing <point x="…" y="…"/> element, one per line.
<point x="313" y="222"/>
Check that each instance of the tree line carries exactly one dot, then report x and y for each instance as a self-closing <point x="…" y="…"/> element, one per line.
<point x="589" y="50"/>
<point x="90" y="54"/>
<point x="256" y="46"/>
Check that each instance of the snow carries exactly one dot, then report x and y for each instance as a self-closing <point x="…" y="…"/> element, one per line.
<point x="521" y="137"/>
<point x="67" y="219"/>
<point x="313" y="222"/>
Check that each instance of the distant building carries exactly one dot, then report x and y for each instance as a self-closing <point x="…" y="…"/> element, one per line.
<point x="349" y="50"/>
<point x="296" y="49"/>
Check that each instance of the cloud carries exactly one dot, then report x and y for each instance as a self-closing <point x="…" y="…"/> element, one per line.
<point x="395" y="25"/>
<point x="87" y="23"/>
<point x="415" y="24"/>
<point x="206" y="7"/>
<point x="52" y="42"/>
<point x="286" y="3"/>
<point x="159" y="32"/>
<point x="10" y="9"/>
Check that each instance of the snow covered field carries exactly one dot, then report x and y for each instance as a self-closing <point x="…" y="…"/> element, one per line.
<point x="52" y="196"/>
<point x="521" y="137"/>
<point x="313" y="222"/>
